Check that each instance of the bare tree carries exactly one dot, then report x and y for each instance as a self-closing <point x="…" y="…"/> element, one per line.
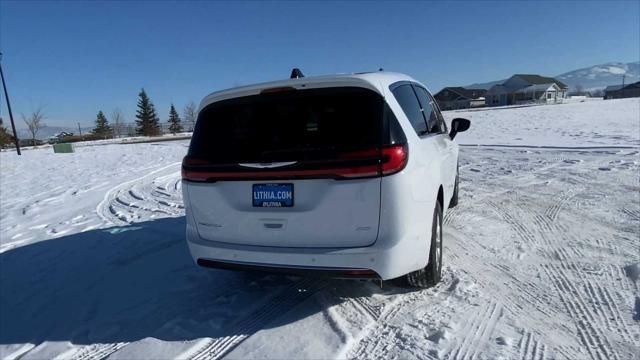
<point x="117" y="117"/>
<point x="579" y="89"/>
<point x="34" y="122"/>
<point x="189" y="115"/>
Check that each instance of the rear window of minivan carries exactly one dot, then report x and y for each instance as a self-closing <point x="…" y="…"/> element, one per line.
<point x="295" y="125"/>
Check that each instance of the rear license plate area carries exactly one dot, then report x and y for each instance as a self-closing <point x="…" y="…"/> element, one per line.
<point x="272" y="195"/>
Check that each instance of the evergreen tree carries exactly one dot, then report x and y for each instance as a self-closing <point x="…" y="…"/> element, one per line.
<point x="146" y="118"/>
<point x="102" y="129"/>
<point x="5" y="137"/>
<point x="174" y="120"/>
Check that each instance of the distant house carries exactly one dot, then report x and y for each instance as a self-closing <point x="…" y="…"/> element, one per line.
<point x="620" y="92"/>
<point x="451" y="98"/>
<point x="497" y="95"/>
<point x="526" y="89"/>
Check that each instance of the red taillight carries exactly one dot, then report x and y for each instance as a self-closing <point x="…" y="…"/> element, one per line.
<point x="359" y="164"/>
<point x="196" y="175"/>
<point x="394" y="159"/>
<point x="358" y="172"/>
<point x="193" y="175"/>
<point x="361" y="170"/>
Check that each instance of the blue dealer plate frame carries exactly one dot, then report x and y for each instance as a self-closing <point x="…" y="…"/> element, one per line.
<point x="272" y="195"/>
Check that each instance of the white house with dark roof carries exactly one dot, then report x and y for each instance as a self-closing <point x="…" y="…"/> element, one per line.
<point x="526" y="89"/>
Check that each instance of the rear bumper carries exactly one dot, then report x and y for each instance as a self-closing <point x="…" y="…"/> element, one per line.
<point x="375" y="261"/>
<point x="344" y="273"/>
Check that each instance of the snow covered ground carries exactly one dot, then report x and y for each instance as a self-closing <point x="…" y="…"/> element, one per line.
<point x="589" y="123"/>
<point x="541" y="258"/>
<point x="119" y="140"/>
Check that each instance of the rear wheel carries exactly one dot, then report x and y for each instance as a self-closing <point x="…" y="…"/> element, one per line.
<point x="431" y="274"/>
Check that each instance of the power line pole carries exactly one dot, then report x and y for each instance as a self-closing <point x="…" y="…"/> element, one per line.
<point x="623" y="76"/>
<point x="6" y="96"/>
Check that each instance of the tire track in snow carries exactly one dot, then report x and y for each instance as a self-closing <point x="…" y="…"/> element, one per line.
<point x="559" y="230"/>
<point x="633" y="214"/>
<point x="377" y="339"/>
<point x="618" y="276"/>
<point x="541" y="221"/>
<point x="603" y="302"/>
<point x="143" y="198"/>
<point x="527" y="298"/>
<point x="336" y="323"/>
<point x="559" y="202"/>
<point x="451" y="215"/>
<point x="96" y="351"/>
<point x="518" y="227"/>
<point x="101" y="351"/>
<point x="216" y="348"/>
<point x="351" y="317"/>
<point x="551" y="237"/>
<point x="530" y="348"/>
<point x="372" y="338"/>
<point x="558" y="240"/>
<point x="554" y="236"/>
<point x="588" y="326"/>
<point x="527" y="293"/>
<point x="543" y="230"/>
<point x="605" y="312"/>
<point x="20" y="352"/>
<point x="481" y="326"/>
<point x="366" y="304"/>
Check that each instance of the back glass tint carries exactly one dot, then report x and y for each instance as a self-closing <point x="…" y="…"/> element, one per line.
<point x="295" y="125"/>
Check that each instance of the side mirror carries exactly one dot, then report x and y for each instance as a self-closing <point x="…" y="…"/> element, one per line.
<point x="459" y="125"/>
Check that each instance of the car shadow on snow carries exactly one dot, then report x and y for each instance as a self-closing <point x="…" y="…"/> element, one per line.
<point x="123" y="284"/>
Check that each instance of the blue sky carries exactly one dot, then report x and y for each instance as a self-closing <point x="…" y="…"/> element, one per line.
<point x="76" y="58"/>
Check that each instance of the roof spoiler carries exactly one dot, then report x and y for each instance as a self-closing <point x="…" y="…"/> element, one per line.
<point x="296" y="74"/>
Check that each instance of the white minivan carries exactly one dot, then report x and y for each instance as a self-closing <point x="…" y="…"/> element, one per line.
<point x="344" y="175"/>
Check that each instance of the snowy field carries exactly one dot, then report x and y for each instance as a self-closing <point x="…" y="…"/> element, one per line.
<point x="541" y="257"/>
<point x="589" y="123"/>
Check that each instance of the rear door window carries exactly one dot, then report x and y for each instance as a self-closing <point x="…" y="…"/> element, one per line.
<point x="296" y="125"/>
<point x="406" y="97"/>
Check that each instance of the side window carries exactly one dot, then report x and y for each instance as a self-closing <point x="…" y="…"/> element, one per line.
<point x="429" y="110"/>
<point x="406" y="97"/>
<point x="436" y="107"/>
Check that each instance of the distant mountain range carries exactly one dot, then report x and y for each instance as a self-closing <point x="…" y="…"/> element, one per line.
<point x="600" y="76"/>
<point x="590" y="78"/>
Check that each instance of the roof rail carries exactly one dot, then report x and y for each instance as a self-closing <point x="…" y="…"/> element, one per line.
<point x="296" y="73"/>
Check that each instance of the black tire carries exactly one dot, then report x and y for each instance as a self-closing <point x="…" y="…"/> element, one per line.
<point x="431" y="274"/>
<point x="454" y="198"/>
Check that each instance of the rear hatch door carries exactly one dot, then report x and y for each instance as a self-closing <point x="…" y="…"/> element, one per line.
<point x="288" y="168"/>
